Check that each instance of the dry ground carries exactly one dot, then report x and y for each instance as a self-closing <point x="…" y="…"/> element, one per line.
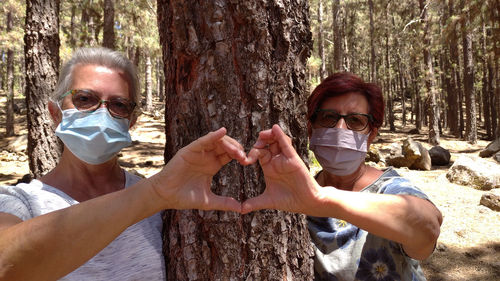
<point x="469" y="245"/>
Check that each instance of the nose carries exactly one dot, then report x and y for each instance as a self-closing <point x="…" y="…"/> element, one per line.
<point x="341" y="123"/>
<point x="103" y="103"/>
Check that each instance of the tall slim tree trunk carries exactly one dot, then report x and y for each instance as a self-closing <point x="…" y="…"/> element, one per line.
<point x="418" y="97"/>
<point x="41" y="51"/>
<point x="430" y="83"/>
<point x="72" y="32"/>
<point x="321" y="48"/>
<point x="352" y="59"/>
<point x="84" y="25"/>
<point x="108" y="35"/>
<point x="337" y="37"/>
<point x="486" y="85"/>
<point x="456" y="118"/>
<point x="91" y="25"/>
<point x="495" y="68"/>
<point x="149" y="85"/>
<point x="388" y="76"/>
<point x="241" y="65"/>
<point x="373" y="63"/>
<point x="9" y="106"/>
<point x="159" y="79"/>
<point x="469" y="93"/>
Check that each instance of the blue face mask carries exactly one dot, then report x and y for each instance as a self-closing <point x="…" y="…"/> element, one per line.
<point x="94" y="137"/>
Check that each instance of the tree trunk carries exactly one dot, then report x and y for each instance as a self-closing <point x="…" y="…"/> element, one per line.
<point x="41" y="51"/>
<point x="469" y="93"/>
<point x="72" y="32"/>
<point x="494" y="72"/>
<point x="84" y="25"/>
<point x="9" y="106"/>
<point x="485" y="89"/>
<point x="430" y="83"/>
<point x="456" y="118"/>
<point x="373" y="63"/>
<point x="321" y="48"/>
<point x="159" y="80"/>
<point x="337" y="37"/>
<point x="388" y="76"/>
<point x="241" y="65"/>
<point x="149" y="85"/>
<point x="417" y="103"/>
<point x="108" y="36"/>
<point x="351" y="58"/>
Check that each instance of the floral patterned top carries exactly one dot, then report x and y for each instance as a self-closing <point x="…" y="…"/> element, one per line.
<point x="346" y="252"/>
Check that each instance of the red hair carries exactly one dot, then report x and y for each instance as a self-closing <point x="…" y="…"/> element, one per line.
<point x="342" y="83"/>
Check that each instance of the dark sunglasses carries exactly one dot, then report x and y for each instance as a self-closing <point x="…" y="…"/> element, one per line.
<point x="328" y="118"/>
<point x="89" y="101"/>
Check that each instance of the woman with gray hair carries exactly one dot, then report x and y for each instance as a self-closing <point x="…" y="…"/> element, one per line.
<point x="88" y="219"/>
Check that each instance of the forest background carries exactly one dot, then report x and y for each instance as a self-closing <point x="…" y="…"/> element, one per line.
<point x="436" y="61"/>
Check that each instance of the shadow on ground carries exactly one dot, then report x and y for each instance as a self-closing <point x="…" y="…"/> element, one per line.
<point x="475" y="263"/>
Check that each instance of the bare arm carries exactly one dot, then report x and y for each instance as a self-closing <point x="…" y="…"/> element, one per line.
<point x="52" y="245"/>
<point x="408" y="220"/>
<point x="405" y="219"/>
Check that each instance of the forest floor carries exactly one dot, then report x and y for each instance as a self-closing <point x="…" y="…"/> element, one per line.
<point x="468" y="247"/>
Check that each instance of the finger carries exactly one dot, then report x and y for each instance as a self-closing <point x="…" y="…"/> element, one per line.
<point x="208" y="141"/>
<point x="285" y="143"/>
<point x="264" y="139"/>
<point x="223" y="203"/>
<point x="252" y="156"/>
<point x="263" y="155"/>
<point x="256" y="203"/>
<point x="232" y="148"/>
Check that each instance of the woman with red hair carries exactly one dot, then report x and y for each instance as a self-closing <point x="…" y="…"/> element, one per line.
<point x="365" y="223"/>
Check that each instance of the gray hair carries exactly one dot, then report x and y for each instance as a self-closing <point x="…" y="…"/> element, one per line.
<point x="102" y="57"/>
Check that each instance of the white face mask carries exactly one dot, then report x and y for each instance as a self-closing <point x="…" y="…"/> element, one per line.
<point x="339" y="151"/>
<point x="93" y="137"/>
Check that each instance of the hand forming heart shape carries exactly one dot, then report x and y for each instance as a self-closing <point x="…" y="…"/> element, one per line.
<point x="184" y="183"/>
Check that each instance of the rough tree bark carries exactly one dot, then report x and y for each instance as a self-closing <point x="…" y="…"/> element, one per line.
<point x="41" y="51"/>
<point x="9" y="106"/>
<point x="108" y="34"/>
<point x="241" y="65"/>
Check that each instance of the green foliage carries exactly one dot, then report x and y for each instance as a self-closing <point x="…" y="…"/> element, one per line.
<point x="14" y="39"/>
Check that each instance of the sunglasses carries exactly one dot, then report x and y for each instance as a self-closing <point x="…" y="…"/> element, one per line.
<point x="328" y="118"/>
<point x="89" y="101"/>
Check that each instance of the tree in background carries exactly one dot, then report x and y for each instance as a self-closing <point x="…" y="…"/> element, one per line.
<point x="429" y="78"/>
<point x="9" y="105"/>
<point x="11" y="85"/>
<point x="109" y="25"/>
<point x="42" y="63"/>
<point x="390" y="43"/>
<point x="239" y="65"/>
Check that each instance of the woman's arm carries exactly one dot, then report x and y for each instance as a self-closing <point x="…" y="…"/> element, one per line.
<point x="405" y="219"/>
<point x="52" y="245"/>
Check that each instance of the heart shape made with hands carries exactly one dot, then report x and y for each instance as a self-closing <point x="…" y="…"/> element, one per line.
<point x="288" y="183"/>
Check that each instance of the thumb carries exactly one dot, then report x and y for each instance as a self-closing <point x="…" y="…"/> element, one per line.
<point x="261" y="154"/>
<point x="256" y="203"/>
<point x="223" y="203"/>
